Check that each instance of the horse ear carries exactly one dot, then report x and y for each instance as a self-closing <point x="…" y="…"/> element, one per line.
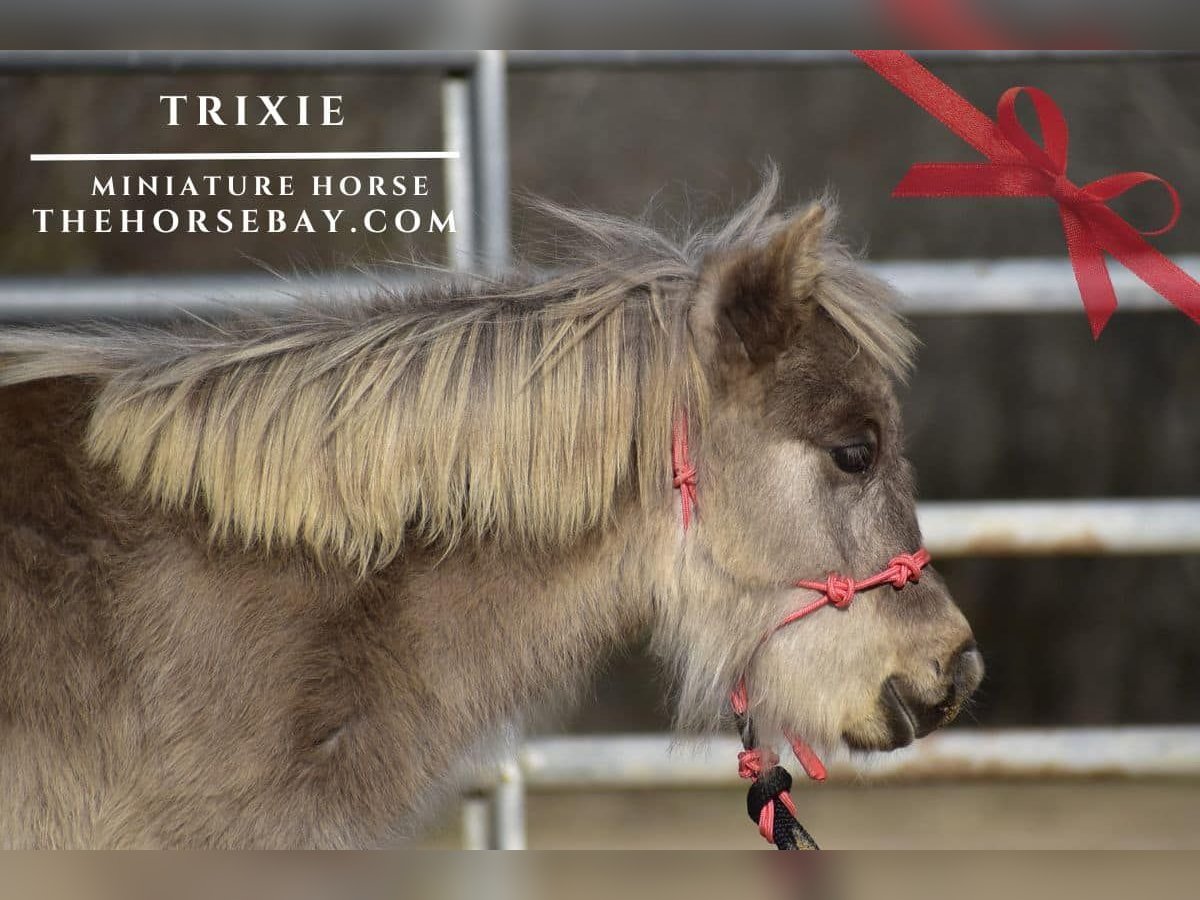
<point x="754" y="302"/>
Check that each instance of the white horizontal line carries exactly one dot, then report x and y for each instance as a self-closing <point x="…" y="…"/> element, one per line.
<point x="662" y="761"/>
<point x="216" y="157"/>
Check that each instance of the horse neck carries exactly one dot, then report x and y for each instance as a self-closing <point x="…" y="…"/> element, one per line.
<point x="499" y="632"/>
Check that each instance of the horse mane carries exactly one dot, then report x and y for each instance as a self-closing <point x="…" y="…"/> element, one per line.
<point x="518" y="409"/>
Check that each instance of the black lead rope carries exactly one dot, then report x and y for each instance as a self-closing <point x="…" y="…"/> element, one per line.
<point x="786" y="833"/>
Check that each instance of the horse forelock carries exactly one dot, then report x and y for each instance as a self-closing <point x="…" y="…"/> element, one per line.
<point x="524" y="411"/>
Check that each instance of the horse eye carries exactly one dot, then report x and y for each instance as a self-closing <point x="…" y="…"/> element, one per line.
<point x="854" y="458"/>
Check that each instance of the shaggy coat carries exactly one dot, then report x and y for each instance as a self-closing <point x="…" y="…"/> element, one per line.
<point x="273" y="580"/>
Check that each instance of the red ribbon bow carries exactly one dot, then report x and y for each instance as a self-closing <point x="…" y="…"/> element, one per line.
<point x="1018" y="166"/>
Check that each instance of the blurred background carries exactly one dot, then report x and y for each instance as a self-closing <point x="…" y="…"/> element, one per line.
<point x="1002" y="406"/>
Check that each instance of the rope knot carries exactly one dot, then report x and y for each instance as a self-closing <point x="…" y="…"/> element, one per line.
<point x="685" y="474"/>
<point x="752" y="763"/>
<point x="905" y="568"/>
<point x="840" y="590"/>
<point x="769" y="802"/>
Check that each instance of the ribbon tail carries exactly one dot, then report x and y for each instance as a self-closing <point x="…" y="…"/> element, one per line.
<point x="1155" y="269"/>
<point x="1167" y="279"/>
<point x="1091" y="272"/>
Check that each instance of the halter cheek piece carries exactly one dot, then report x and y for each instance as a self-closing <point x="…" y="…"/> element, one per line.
<point x="769" y="801"/>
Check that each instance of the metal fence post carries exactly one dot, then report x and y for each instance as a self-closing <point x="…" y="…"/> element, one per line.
<point x="489" y="99"/>
<point x="477" y="821"/>
<point x="508" y="807"/>
<point x="458" y="133"/>
<point x="490" y="162"/>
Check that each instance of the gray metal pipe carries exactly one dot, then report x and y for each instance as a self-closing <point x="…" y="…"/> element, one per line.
<point x="490" y="108"/>
<point x="648" y="59"/>
<point x="508" y="807"/>
<point x="667" y="761"/>
<point x="928" y="287"/>
<point x="71" y="62"/>
<point x="476" y="821"/>
<point x="215" y="61"/>
<point x="975" y="528"/>
<point x="458" y="133"/>
<point x="1010" y="285"/>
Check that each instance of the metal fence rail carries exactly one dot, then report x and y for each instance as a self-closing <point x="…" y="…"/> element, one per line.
<point x="361" y="61"/>
<point x="639" y="761"/>
<point x="943" y="287"/>
<point x="494" y="816"/>
<point x="475" y="125"/>
<point x="1061" y="527"/>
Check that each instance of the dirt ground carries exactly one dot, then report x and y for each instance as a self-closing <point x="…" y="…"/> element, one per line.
<point x="1062" y="815"/>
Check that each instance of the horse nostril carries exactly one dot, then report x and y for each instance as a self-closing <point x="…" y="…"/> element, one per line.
<point x="966" y="669"/>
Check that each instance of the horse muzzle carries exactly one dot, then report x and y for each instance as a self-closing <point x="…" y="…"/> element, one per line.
<point x="908" y="712"/>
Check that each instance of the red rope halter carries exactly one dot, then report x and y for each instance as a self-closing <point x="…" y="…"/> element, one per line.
<point x="684" y="471"/>
<point x="836" y="590"/>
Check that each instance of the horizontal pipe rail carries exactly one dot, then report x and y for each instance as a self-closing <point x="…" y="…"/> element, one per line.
<point x="1020" y="285"/>
<point x="927" y="287"/>
<point x="665" y="761"/>
<point x="341" y="61"/>
<point x="116" y="62"/>
<point x="645" y="59"/>
<point x="53" y="299"/>
<point x="978" y="528"/>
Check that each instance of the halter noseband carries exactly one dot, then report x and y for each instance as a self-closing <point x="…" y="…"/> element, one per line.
<point x="769" y="802"/>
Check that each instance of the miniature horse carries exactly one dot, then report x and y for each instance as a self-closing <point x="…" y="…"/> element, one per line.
<point x="271" y="580"/>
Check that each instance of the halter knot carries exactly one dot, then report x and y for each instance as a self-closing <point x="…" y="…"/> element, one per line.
<point x="752" y="763"/>
<point x="682" y="470"/>
<point x="905" y="568"/>
<point x="685" y="474"/>
<point x="840" y="590"/>
<point x="770" y="805"/>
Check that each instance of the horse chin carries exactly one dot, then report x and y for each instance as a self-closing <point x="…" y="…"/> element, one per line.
<point x="901" y="719"/>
